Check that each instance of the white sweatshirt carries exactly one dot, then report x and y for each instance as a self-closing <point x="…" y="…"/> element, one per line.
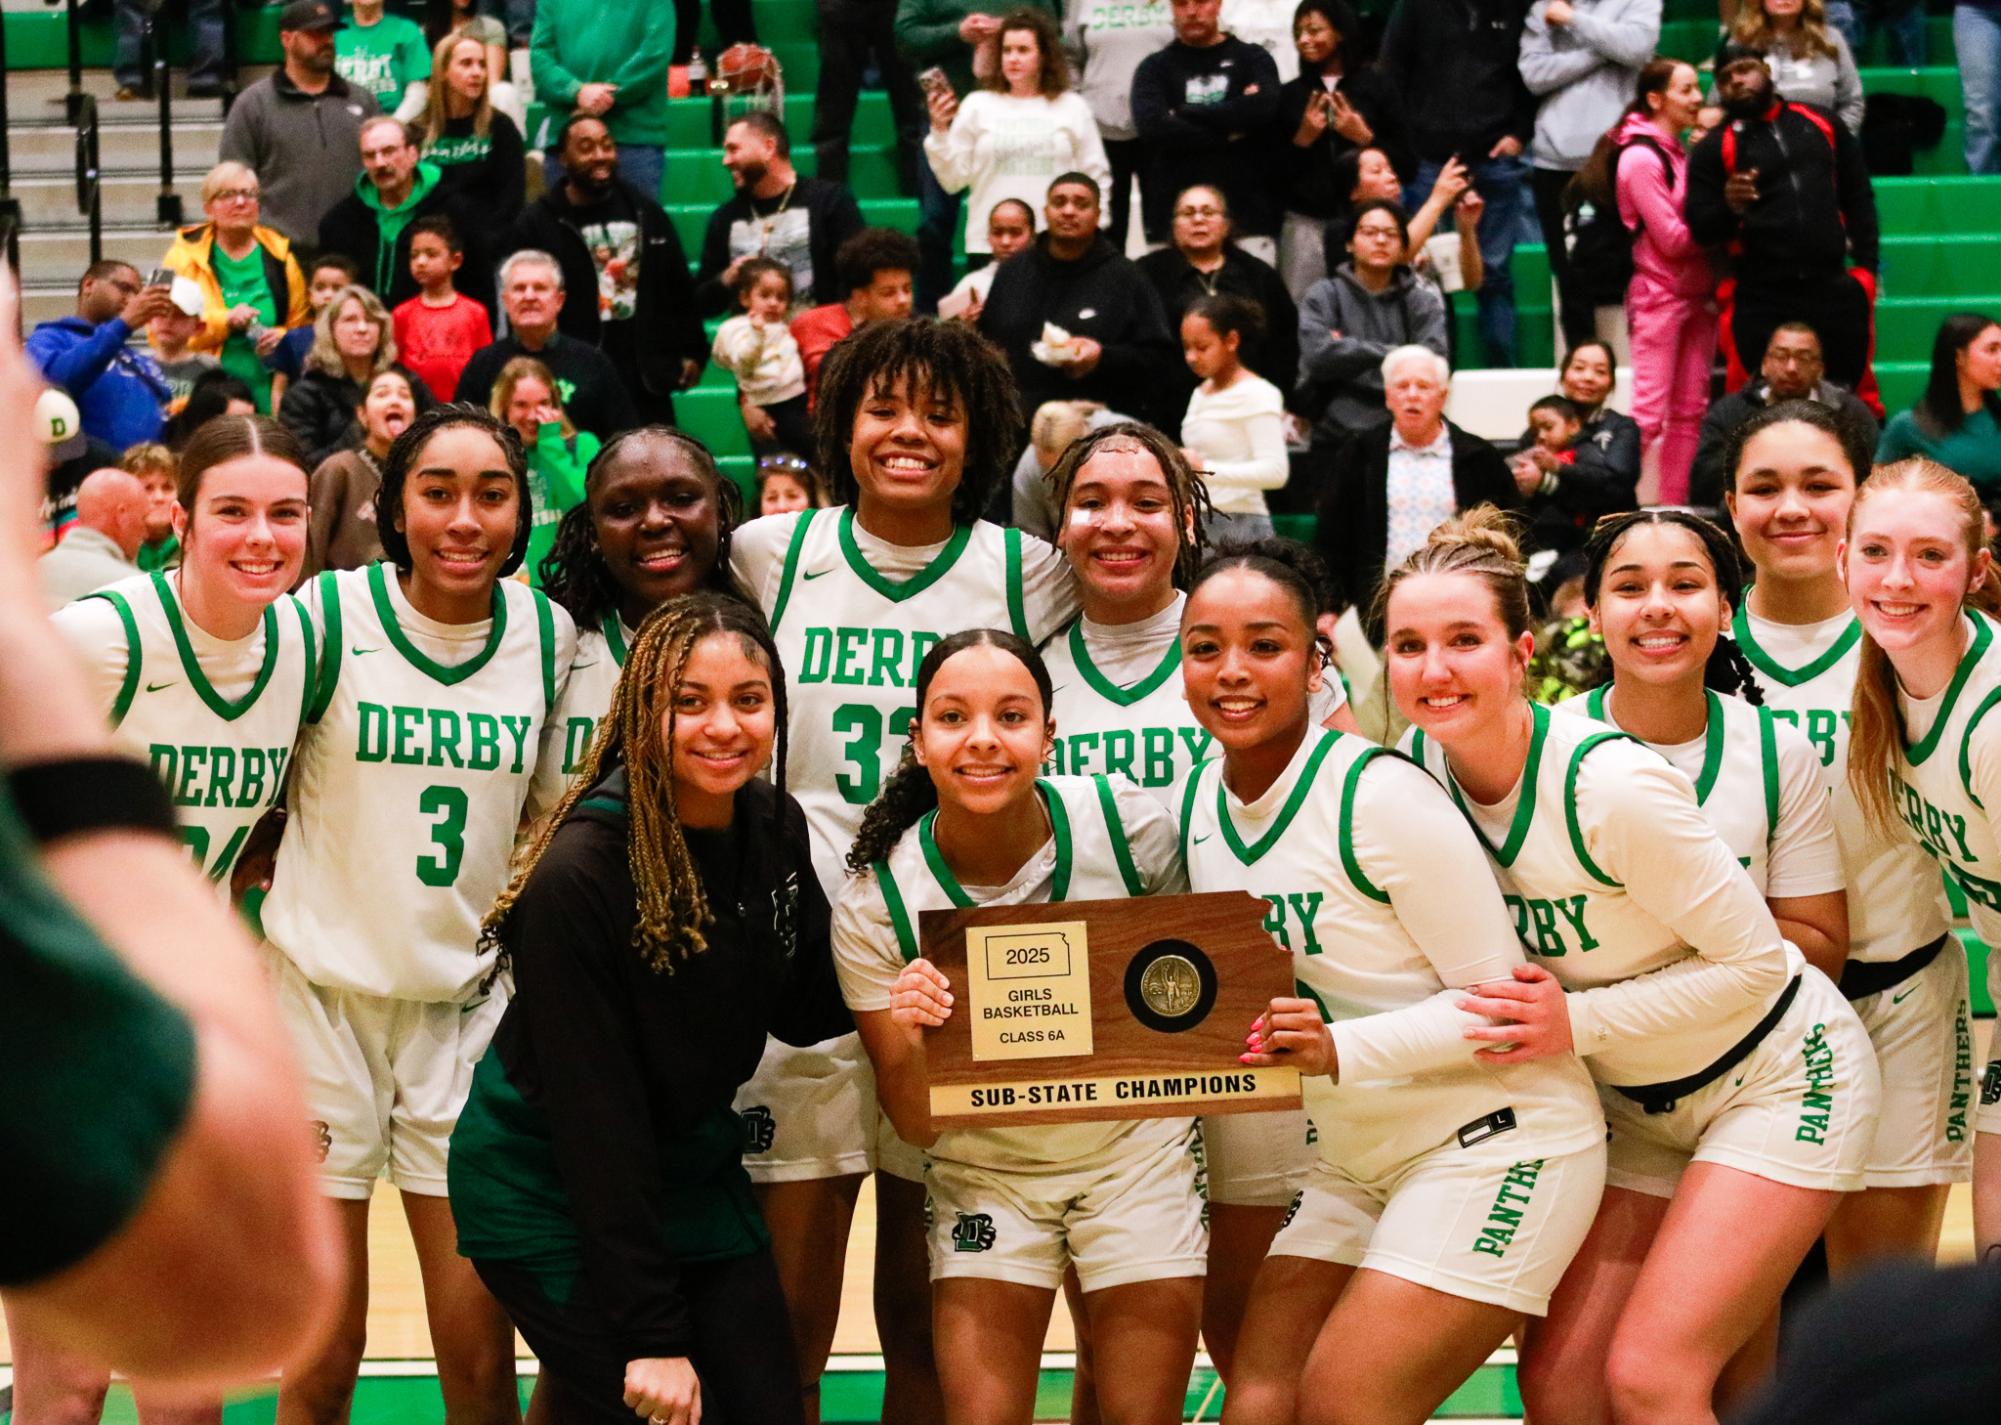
<point x="1002" y="147"/>
<point x="1239" y="432"/>
<point x="765" y="360"/>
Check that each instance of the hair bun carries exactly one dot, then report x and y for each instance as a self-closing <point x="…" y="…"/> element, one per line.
<point x="1485" y="527"/>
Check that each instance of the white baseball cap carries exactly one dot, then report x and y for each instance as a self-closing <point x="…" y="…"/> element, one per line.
<point x="60" y="424"/>
<point x="185" y="294"/>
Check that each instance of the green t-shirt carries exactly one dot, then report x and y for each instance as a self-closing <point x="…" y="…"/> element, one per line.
<point x="384" y="58"/>
<point x="164" y="555"/>
<point x="243" y="280"/>
<point x="100" y="1074"/>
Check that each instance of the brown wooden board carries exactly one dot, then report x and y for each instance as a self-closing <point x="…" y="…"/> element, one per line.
<point x="1174" y="985"/>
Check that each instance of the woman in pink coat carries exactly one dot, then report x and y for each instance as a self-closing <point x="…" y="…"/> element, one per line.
<point x="1671" y="300"/>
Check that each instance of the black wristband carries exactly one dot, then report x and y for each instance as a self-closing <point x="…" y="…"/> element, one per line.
<point x="80" y="794"/>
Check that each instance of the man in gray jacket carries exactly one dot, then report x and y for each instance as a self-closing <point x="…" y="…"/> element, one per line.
<point x="1581" y="59"/>
<point x="300" y="128"/>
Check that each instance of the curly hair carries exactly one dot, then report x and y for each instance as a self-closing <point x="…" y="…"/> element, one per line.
<point x="402" y="459"/>
<point x="637" y="733"/>
<point x="945" y="358"/>
<point x="574" y="572"/>
<point x="910" y="792"/>
<point x="1186" y="488"/>
<point x="1727" y="669"/>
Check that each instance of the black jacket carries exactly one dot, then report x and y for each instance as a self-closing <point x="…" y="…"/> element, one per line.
<point x="1353" y="530"/>
<point x="805" y="233"/>
<point x="354" y="230"/>
<point x="647" y="347"/>
<point x="1816" y="211"/>
<point x="1205" y="116"/>
<point x="624" y="1065"/>
<point x="319" y="409"/>
<point x="596" y="399"/>
<point x="1276" y="357"/>
<point x="1305" y="176"/>
<point x="489" y="176"/>
<point x="1707" y="479"/>
<point x="1101" y="295"/>
<point x="1602" y="480"/>
<point x="1457" y="65"/>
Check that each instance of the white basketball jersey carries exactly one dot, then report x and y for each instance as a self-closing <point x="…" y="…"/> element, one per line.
<point x="221" y="751"/>
<point x="851" y="638"/>
<point x="1933" y="792"/>
<point x="1106" y="841"/>
<point x="1295" y="848"/>
<point x="1894" y="900"/>
<point x="584" y="701"/>
<point x="409" y="783"/>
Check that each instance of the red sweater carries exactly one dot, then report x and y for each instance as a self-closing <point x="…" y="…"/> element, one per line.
<point x="817" y="331"/>
<point x="437" y="342"/>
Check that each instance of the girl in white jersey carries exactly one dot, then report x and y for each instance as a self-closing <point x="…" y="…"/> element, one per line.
<point x="204" y="671"/>
<point x="918" y="424"/>
<point x="1793" y="470"/>
<point x="407" y="787"/>
<point x="1450" y="1194"/>
<point x="1132" y="524"/>
<point x="655" y="523"/>
<point x="965" y="821"/>
<point x="1925" y="753"/>
<point x="1738" y="1086"/>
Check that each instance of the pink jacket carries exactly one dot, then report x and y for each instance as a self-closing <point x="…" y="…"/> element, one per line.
<point x="1666" y="260"/>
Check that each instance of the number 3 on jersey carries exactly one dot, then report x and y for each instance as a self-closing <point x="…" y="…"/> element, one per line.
<point x="448" y="804"/>
<point x="861" y="724"/>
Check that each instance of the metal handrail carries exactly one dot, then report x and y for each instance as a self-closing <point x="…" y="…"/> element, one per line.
<point x="89" y="183"/>
<point x="229" y="58"/>
<point x="73" y="100"/>
<point x="167" y="207"/>
<point x="10" y="206"/>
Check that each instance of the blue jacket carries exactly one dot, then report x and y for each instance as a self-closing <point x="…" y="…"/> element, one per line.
<point x="119" y="392"/>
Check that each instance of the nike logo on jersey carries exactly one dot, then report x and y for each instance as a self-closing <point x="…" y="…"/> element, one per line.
<point x="1200" y="839"/>
<point x="155" y="687"/>
<point x="579" y="667"/>
<point x="362" y="652"/>
<point x="814" y="574"/>
<point x="1900" y="998"/>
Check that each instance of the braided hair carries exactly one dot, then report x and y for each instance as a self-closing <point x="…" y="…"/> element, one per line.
<point x="910" y="792"/>
<point x="1186" y="489"/>
<point x="1727" y="670"/>
<point x="574" y="572"/>
<point x="673" y="906"/>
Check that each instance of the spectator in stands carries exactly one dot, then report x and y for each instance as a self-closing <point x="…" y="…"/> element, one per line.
<point x="120" y="395"/>
<point x="383" y="55"/>
<point x="1955" y="421"/>
<point x="1204" y="262"/>
<point x="1366" y="173"/>
<point x="341" y="531"/>
<point x="1233" y="431"/>
<point x="1601" y="475"/>
<point x="372" y="224"/>
<point x="1371" y="305"/>
<point x="524" y="395"/>
<point x="618" y="243"/>
<point x="300" y="128"/>
<point x="1010" y="228"/>
<point x="158" y="470"/>
<point x="962" y="38"/>
<point x="1268" y="24"/>
<point x="1976" y="43"/>
<point x="216" y="394"/>
<point x="1115" y="345"/>
<point x="735" y="24"/>
<point x="169" y="335"/>
<point x="611" y="61"/>
<point x="775" y="213"/>
<point x="853" y="36"/>
<point x="477" y="148"/>
<point x="101" y="545"/>
<point x="1107" y="43"/>
<point x="1793" y="370"/>
<point x="354" y="338"/>
<point x="1053" y="429"/>
<point x="1580" y="58"/>
<point x="1809" y="58"/>
<point x="877" y="268"/>
<point x="759" y="350"/>
<point x="251" y="285"/>
<point x="1786" y="190"/>
<point x="1465" y="98"/>
<point x="205" y="21"/>
<point x="1397" y="481"/>
<point x="455" y="17"/>
<point x="1017" y="131"/>
<point x="532" y="293"/>
<point x="1203" y="106"/>
<point x="439" y="329"/>
<point x="326" y="276"/>
<point x="1671" y="298"/>
<point x="1338" y="104"/>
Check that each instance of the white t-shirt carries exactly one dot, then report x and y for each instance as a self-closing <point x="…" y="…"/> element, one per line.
<point x="1239" y="433"/>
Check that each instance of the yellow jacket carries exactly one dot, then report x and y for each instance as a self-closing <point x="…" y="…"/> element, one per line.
<point x="192" y="256"/>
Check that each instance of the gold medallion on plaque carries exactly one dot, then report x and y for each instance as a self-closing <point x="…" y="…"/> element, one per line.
<point x="1171" y="986"/>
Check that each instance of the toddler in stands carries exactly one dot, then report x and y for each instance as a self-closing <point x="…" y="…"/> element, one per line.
<point x="326" y="279"/>
<point x="758" y="349"/>
<point x="786" y="483"/>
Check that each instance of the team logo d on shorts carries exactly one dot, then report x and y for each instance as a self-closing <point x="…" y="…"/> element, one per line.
<point x="974" y="1233"/>
<point x="759" y="1129"/>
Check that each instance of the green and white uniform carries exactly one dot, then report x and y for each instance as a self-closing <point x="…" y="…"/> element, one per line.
<point x="216" y="718"/>
<point x="853" y="616"/>
<point x="1120" y="1201"/>
<point x="1674" y="966"/>
<point x="1906" y="976"/>
<point x="1120" y="710"/>
<point x="407" y="788"/>
<point x="1476" y="1179"/>
<point x="585" y="699"/>
<point x="1947" y="775"/>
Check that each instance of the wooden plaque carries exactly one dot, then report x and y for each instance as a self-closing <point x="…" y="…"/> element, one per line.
<point x="1089" y="1010"/>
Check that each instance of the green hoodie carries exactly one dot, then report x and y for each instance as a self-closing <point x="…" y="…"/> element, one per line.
<point x="392" y="221"/>
<point x="579" y="42"/>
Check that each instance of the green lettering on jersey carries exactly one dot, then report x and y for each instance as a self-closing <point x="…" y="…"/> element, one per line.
<point x="577" y="735"/>
<point x="1158" y="743"/>
<point x="1504" y="1218"/>
<point x="444" y="738"/>
<point x="1820" y="726"/>
<point x="517" y="729"/>
<point x="888" y="653"/>
<point x="485" y="742"/>
<point x="440" y="737"/>
<point x="864" y="657"/>
<point x="371" y="741"/>
<point x="1290" y="909"/>
<point x="221" y="773"/>
<point x="218" y="776"/>
<point x="1540" y="925"/>
<point x="819" y="652"/>
<point x="409" y="727"/>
